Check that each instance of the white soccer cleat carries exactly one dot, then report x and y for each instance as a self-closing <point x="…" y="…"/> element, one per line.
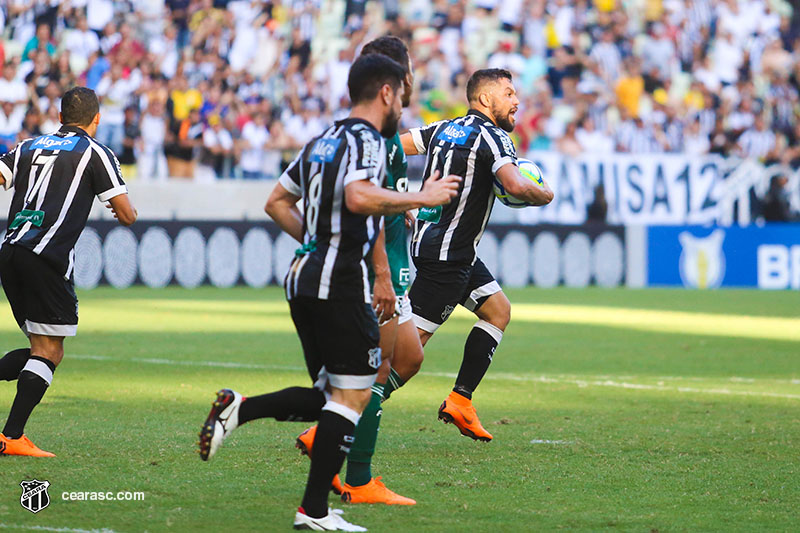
<point x="221" y="421"/>
<point x="333" y="521"/>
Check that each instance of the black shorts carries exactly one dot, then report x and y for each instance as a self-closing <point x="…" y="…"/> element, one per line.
<point x="43" y="302"/>
<point x="441" y="285"/>
<point x="340" y="341"/>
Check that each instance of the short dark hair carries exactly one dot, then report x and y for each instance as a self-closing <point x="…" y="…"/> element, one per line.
<point x="391" y="47"/>
<point x="371" y="72"/>
<point x="479" y="77"/>
<point x="79" y="106"/>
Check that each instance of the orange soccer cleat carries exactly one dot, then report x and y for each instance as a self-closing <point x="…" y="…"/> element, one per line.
<point x="458" y="410"/>
<point x="305" y="443"/>
<point x="374" y="492"/>
<point x="21" y="446"/>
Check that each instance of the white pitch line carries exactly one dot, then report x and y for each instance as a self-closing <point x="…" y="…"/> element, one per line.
<point x="546" y="441"/>
<point x="55" y="529"/>
<point x="496" y="376"/>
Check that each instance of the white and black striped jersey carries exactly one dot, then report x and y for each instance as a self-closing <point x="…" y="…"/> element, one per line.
<point x="56" y="178"/>
<point x="471" y="147"/>
<point x="330" y="264"/>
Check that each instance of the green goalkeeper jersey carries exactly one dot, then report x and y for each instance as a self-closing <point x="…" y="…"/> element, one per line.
<point x="395" y="225"/>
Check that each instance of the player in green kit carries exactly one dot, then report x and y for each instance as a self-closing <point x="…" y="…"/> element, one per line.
<point x="399" y="340"/>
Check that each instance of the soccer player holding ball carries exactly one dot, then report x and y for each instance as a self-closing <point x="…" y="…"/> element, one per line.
<point x="338" y="176"/>
<point x="476" y="147"/>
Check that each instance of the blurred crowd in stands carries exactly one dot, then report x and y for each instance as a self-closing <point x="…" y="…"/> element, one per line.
<point x="217" y="89"/>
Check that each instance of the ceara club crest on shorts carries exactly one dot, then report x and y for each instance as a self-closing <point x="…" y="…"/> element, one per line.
<point x="375" y="357"/>
<point x="34" y="495"/>
<point x="702" y="261"/>
<point x="448" y="310"/>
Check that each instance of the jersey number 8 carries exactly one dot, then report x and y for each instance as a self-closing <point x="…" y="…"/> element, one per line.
<point x="312" y="210"/>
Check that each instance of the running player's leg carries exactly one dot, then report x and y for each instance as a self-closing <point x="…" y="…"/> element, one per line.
<point x="352" y="356"/>
<point x="437" y="289"/>
<point x="359" y="461"/>
<point x="484" y="298"/>
<point x="13" y="362"/>
<point x="295" y="403"/>
<point x="408" y="353"/>
<point x="50" y="310"/>
<point x="361" y="487"/>
<point x="32" y="383"/>
<point x="230" y="409"/>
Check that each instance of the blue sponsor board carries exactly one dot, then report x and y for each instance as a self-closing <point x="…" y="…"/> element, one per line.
<point x="766" y="257"/>
<point x="53" y="142"/>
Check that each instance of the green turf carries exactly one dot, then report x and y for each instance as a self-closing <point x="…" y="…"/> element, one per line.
<point x="655" y="428"/>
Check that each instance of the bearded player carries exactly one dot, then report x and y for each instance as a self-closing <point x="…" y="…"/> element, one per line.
<point x="399" y="340"/>
<point x="476" y="147"/>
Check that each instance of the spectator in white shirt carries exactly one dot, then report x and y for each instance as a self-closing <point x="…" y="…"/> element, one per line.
<point x="152" y="163"/>
<point x="12" y="89"/>
<point x="305" y="125"/>
<point x="506" y="58"/>
<point x="11" y="118"/>
<point x="165" y="49"/>
<point x="757" y="142"/>
<point x="114" y="93"/>
<point x="727" y="58"/>
<point x="99" y="13"/>
<point x="151" y="14"/>
<point x="22" y="19"/>
<point x="254" y="145"/>
<point x="695" y="142"/>
<point x="593" y="140"/>
<point x="217" y="147"/>
<point x="82" y="42"/>
<point x="336" y="72"/>
<point x="658" y="52"/>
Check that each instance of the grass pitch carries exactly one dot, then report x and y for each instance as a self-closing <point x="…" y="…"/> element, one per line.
<point x="611" y="410"/>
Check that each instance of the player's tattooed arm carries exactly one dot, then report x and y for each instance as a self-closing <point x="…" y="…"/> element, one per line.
<point x="282" y="207"/>
<point x="383" y="297"/>
<point x="365" y="198"/>
<point x="522" y="188"/>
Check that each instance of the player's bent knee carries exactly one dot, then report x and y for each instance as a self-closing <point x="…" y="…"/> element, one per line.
<point x="415" y="360"/>
<point x="356" y="399"/>
<point x="496" y="311"/>
<point x="362" y="398"/>
<point x="51" y="348"/>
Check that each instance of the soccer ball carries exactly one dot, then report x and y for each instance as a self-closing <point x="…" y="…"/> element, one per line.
<point x="528" y="169"/>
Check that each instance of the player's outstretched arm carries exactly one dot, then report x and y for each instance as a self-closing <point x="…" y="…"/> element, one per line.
<point x="366" y="198"/>
<point x="522" y="188"/>
<point x="408" y="144"/>
<point x="282" y="207"/>
<point x="123" y="209"/>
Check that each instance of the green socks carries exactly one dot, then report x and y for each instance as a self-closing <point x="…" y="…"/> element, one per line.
<point x="359" y="461"/>
<point x="392" y="384"/>
<point x="360" y="458"/>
